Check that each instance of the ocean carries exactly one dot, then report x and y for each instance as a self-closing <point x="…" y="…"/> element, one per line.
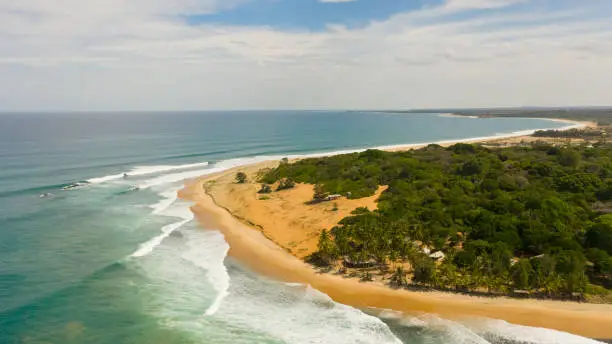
<point x="121" y="260"/>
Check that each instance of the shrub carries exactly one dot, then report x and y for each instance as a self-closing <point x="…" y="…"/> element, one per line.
<point x="265" y="189"/>
<point x="319" y="193"/>
<point x="241" y="177"/>
<point x="285" y="184"/>
<point x="366" y="277"/>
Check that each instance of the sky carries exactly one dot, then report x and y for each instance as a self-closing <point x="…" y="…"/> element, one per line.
<point x="303" y="54"/>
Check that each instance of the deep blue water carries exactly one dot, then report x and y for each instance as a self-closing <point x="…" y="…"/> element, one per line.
<point x="103" y="264"/>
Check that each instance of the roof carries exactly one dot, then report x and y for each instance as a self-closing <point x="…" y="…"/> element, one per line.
<point x="437" y="255"/>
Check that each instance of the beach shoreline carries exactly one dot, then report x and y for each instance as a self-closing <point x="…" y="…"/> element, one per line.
<point x="264" y="249"/>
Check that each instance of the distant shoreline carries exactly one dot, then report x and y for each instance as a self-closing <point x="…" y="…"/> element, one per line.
<point x="258" y="247"/>
<point x="572" y="124"/>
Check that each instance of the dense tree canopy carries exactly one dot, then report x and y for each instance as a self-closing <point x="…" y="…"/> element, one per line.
<point x="530" y="218"/>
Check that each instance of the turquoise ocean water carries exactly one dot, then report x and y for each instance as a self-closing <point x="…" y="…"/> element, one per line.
<point x="104" y="263"/>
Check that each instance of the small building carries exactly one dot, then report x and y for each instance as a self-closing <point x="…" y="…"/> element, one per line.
<point x="438" y="255"/>
<point x="349" y="263"/>
<point x="521" y="293"/>
<point x="333" y="197"/>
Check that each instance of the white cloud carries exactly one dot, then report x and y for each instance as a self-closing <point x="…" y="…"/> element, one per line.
<point x="481" y="4"/>
<point x="137" y="54"/>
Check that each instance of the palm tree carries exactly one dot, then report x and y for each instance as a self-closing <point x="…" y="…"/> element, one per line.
<point x="552" y="284"/>
<point x="398" y="279"/>
<point x="319" y="192"/>
<point x="448" y="275"/>
<point x="327" y="248"/>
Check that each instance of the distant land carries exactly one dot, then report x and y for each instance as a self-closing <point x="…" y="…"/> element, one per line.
<point x="601" y="115"/>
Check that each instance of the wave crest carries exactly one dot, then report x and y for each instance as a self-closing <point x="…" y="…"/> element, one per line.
<point x="145" y="170"/>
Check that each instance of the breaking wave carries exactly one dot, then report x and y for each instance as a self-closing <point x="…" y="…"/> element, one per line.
<point x="145" y="170"/>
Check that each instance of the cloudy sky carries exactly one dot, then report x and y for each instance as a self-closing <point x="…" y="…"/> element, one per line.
<point x="305" y="54"/>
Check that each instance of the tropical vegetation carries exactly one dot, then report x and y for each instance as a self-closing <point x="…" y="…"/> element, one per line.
<point x="532" y="219"/>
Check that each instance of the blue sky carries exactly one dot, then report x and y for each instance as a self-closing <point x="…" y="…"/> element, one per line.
<point x="303" y="54"/>
<point x="309" y="14"/>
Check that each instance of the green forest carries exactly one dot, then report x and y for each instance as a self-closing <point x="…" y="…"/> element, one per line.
<point x="534" y="220"/>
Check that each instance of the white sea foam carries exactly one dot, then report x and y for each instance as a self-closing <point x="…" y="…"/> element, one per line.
<point x="150" y="245"/>
<point x="105" y="179"/>
<point x="446" y="331"/>
<point x="145" y="170"/>
<point x="173" y="178"/>
<point x="209" y="253"/>
<point x="218" y="167"/>
<point x="486" y="330"/>
<point x="168" y="197"/>
<point x="457" y="116"/>
<point x="499" y="330"/>
<point x="390" y="314"/>
<point x="164" y="208"/>
<point x="298" y="315"/>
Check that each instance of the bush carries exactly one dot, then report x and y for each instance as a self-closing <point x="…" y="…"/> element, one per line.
<point x="319" y="193"/>
<point x="599" y="235"/>
<point x="241" y="177"/>
<point x="265" y="189"/>
<point x="366" y="277"/>
<point x="285" y="184"/>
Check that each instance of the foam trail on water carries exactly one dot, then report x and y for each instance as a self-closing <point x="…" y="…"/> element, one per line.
<point x="218" y="167"/>
<point x="209" y="254"/>
<point x="169" y="196"/>
<point x="150" y="245"/>
<point x="144" y="170"/>
<point x="181" y="212"/>
<point x="105" y="179"/>
<point x="452" y="331"/>
<point x="502" y="331"/>
<point x="173" y="178"/>
<point x="457" y="116"/>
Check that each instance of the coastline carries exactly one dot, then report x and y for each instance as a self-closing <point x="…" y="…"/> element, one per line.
<point x="258" y="248"/>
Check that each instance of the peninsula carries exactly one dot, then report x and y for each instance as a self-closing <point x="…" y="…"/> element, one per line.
<point x="459" y="231"/>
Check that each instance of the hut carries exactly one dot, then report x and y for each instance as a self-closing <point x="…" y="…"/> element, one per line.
<point x="333" y="197"/>
<point x="521" y="293"/>
<point x="438" y="255"/>
<point x="350" y="263"/>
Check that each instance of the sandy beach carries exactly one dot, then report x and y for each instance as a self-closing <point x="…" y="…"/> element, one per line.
<point x="272" y="234"/>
